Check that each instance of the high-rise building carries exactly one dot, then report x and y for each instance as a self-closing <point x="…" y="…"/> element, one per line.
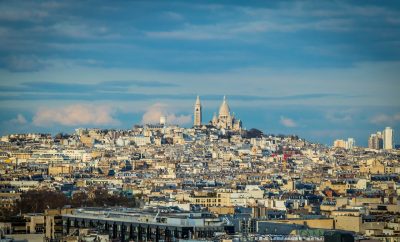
<point x="371" y="141"/>
<point x="345" y="144"/>
<point x="379" y="141"/>
<point x="350" y="143"/>
<point x="375" y="141"/>
<point x="388" y="138"/>
<point x="197" y="113"/>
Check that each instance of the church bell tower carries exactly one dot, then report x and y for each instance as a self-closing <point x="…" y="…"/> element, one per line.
<point x="197" y="113"/>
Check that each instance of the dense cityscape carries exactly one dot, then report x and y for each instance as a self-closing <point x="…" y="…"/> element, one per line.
<point x="213" y="182"/>
<point x="199" y="121"/>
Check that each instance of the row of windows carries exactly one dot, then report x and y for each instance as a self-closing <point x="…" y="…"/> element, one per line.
<point x="208" y="200"/>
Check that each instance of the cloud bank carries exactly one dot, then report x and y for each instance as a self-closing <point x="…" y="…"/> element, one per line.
<point x="153" y="114"/>
<point x="287" y="122"/>
<point x="385" y="119"/>
<point x="19" y="120"/>
<point x="72" y="115"/>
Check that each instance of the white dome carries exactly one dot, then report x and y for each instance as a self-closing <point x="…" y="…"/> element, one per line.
<point x="224" y="108"/>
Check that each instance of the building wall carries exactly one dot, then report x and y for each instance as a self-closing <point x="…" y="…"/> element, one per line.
<point x="359" y="201"/>
<point x="313" y="223"/>
<point x="61" y="169"/>
<point x="349" y="223"/>
<point x="222" y="210"/>
<point x="35" y="224"/>
<point x="53" y="219"/>
<point x="372" y="226"/>
<point x="7" y="200"/>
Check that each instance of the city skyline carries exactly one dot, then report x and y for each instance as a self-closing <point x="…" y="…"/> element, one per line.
<point x="200" y="120"/>
<point x="320" y="70"/>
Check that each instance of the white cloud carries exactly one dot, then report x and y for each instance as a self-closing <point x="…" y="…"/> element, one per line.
<point x="287" y="122"/>
<point x="153" y="114"/>
<point x="385" y="119"/>
<point x="173" y="16"/>
<point x="77" y="114"/>
<point x="20" y="119"/>
<point x="340" y="116"/>
<point x="193" y="32"/>
<point x="287" y="17"/>
<point x="241" y="29"/>
<point x="179" y="119"/>
<point x="80" y="30"/>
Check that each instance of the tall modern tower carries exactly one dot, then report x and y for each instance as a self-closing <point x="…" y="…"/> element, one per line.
<point x="197" y="113"/>
<point x="388" y="138"/>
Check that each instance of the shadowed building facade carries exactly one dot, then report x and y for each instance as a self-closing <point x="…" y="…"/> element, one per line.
<point x="144" y="225"/>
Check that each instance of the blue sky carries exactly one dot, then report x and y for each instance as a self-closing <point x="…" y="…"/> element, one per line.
<point x="320" y="69"/>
